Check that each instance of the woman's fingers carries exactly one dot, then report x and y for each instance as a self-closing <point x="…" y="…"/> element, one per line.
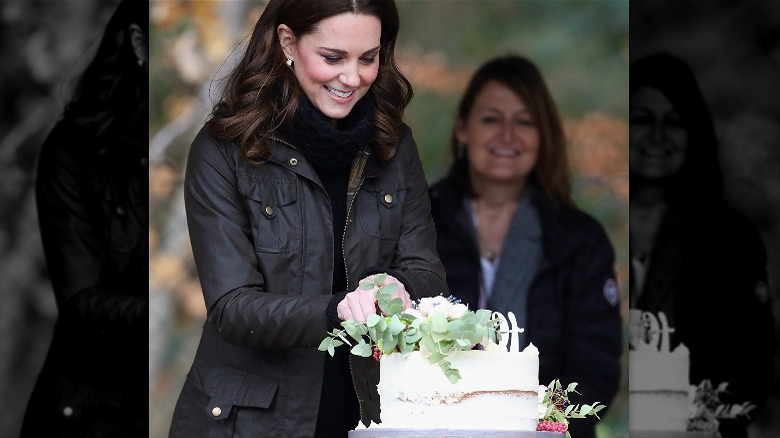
<point x="357" y="305"/>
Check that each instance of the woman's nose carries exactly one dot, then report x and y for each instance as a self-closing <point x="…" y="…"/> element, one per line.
<point x="350" y="76"/>
<point x="507" y="132"/>
<point x="658" y="131"/>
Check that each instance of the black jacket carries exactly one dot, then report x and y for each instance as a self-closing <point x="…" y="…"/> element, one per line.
<point x="262" y="241"/>
<point x="575" y="327"/>
<point x="92" y="199"/>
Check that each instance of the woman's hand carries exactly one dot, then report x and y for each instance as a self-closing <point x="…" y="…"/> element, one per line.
<point x="359" y="303"/>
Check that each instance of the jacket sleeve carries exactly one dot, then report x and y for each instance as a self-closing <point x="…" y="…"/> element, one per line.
<point x="234" y="288"/>
<point x="417" y="262"/>
<point x="593" y="335"/>
<point x="86" y="285"/>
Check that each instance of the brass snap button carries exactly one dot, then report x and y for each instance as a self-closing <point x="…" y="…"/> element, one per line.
<point x="293" y="161"/>
<point x="269" y="210"/>
<point x="389" y="198"/>
<point x="216" y="411"/>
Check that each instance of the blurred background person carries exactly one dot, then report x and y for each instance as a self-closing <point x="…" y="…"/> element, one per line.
<point x="92" y="201"/>
<point x="191" y="41"/>
<point x="732" y="49"/>
<point x="511" y="238"/>
<point x="45" y="47"/>
<point x="693" y="256"/>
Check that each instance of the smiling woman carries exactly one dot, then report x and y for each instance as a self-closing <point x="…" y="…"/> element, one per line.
<point x="512" y="240"/>
<point x="304" y="181"/>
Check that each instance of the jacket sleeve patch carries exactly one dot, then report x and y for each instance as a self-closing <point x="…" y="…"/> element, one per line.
<point x="611" y="291"/>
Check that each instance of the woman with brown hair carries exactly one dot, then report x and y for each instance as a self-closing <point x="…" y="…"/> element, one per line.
<point x="304" y="181"/>
<point x="511" y="238"/>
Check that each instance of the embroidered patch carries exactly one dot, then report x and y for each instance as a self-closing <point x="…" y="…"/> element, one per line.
<point x="611" y="291"/>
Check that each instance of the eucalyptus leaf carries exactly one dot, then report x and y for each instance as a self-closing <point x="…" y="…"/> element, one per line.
<point x="373" y="319"/>
<point x="395" y="326"/>
<point x="324" y="344"/>
<point x="404" y="346"/>
<point x="362" y="349"/>
<point x="408" y="319"/>
<point x="453" y="375"/>
<point x="379" y="279"/>
<point x="463" y="343"/>
<point x="438" y="323"/>
<point x="381" y="325"/>
<point x="438" y="337"/>
<point x="394" y="307"/>
<point x="390" y="288"/>
<point x="411" y="336"/>
<point x="390" y="342"/>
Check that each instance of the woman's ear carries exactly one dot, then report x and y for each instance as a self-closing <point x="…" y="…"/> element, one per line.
<point x="287" y="40"/>
<point x="138" y="41"/>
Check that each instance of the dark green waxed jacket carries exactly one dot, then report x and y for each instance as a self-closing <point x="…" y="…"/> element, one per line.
<point x="262" y="241"/>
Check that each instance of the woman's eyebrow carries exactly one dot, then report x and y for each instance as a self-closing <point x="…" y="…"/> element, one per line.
<point x="344" y="52"/>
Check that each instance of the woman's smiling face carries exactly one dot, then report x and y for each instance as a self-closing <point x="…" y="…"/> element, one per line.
<point x="337" y="62"/>
<point x="502" y="136"/>
<point x="658" y="139"/>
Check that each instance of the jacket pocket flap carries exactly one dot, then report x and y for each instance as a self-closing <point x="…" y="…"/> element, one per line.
<point x="276" y="192"/>
<point x="228" y="387"/>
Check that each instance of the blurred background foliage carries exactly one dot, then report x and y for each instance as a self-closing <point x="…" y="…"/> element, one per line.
<point x="581" y="46"/>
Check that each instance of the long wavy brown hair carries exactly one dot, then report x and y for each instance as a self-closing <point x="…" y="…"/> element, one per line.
<point x="522" y="76"/>
<point x="262" y="93"/>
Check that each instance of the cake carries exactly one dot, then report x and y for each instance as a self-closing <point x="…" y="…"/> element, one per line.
<point x="502" y="387"/>
<point x="658" y="386"/>
<point x="658" y="390"/>
<point x="445" y="370"/>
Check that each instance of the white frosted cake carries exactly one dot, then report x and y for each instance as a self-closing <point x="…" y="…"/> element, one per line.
<point x="501" y="386"/>
<point x="658" y="385"/>
<point x="658" y="390"/>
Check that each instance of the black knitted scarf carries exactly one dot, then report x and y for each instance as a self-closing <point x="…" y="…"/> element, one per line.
<point x="331" y="146"/>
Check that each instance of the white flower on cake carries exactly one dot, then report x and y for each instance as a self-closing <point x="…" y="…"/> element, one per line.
<point x="448" y="307"/>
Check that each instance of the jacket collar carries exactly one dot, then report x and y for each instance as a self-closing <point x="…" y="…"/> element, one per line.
<point x="557" y="241"/>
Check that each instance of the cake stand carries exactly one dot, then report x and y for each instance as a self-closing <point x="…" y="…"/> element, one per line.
<point x="379" y="432"/>
<point x="670" y="434"/>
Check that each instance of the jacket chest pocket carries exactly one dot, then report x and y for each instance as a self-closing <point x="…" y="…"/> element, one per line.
<point x="379" y="211"/>
<point x="274" y="212"/>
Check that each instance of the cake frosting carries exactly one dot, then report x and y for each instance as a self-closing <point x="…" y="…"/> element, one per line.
<point x="658" y="385"/>
<point x="501" y="386"/>
<point x="499" y="382"/>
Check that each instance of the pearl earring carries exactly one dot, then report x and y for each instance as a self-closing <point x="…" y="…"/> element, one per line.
<point x="289" y="62"/>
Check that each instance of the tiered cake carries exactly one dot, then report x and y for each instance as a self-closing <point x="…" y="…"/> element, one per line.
<point x="498" y="389"/>
<point x="502" y="387"/>
<point x="658" y="382"/>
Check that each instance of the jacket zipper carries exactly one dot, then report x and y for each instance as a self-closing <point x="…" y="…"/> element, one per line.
<point x="355" y="175"/>
<point x="352" y="190"/>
